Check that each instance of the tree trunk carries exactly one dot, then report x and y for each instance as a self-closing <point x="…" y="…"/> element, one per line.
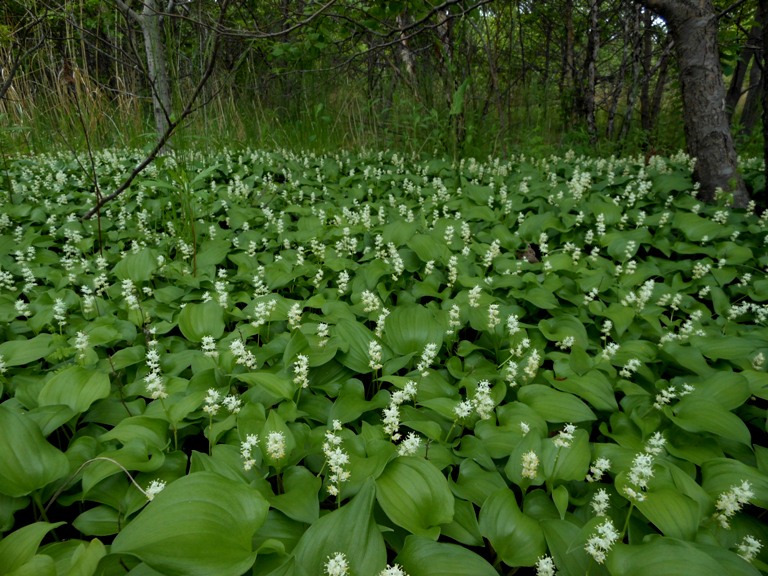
<point x="157" y="65"/>
<point x="593" y="49"/>
<point x="763" y="15"/>
<point x="735" y="89"/>
<point x="693" y="25"/>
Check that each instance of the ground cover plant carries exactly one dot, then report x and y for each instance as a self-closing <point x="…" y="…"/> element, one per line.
<point x="272" y="363"/>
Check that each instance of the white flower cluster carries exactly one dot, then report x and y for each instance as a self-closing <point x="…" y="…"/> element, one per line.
<point x="246" y="451"/>
<point x="262" y="312"/>
<point x="545" y="566"/>
<point x="154" y="380"/>
<point x="670" y="393"/>
<point x="336" y="458"/>
<point x="208" y="346"/>
<point x="530" y="464"/>
<point x="392" y="412"/>
<point x="731" y="501"/>
<point x="601" y="542"/>
<point x="242" y="355"/>
<point x="374" y="355"/>
<point x="596" y="471"/>
<point x="642" y="467"/>
<point x="564" y="437"/>
<point x="301" y="371"/>
<point x="749" y="548"/>
<point x="214" y="402"/>
<point x="155" y="487"/>
<point x="427" y="357"/>
<point x="481" y="402"/>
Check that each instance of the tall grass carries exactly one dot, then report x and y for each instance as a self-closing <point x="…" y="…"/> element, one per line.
<point x="323" y="113"/>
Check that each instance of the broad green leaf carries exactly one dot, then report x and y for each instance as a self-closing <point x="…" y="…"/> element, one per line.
<point x="422" y="556"/>
<point x="594" y="387"/>
<point x="564" y="326"/>
<point x="19" y="352"/>
<point x="409" y="328"/>
<point x="697" y="414"/>
<point x="350" y="529"/>
<point x="20" y="546"/>
<point x="299" y="499"/>
<point x="212" y="252"/>
<point x="674" y="514"/>
<point x="516" y="538"/>
<point x="40" y="565"/>
<point x="200" y="524"/>
<point x="277" y="385"/>
<point x="137" y="267"/>
<point x="662" y="557"/>
<point x="85" y="559"/>
<point x="695" y="227"/>
<point x="555" y="406"/>
<point x="204" y="319"/>
<point x="357" y="336"/>
<point x="415" y="495"/>
<point x="100" y="520"/>
<point x="562" y="539"/>
<point x="75" y="387"/>
<point x="27" y="461"/>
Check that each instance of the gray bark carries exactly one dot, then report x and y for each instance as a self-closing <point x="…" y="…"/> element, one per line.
<point x="157" y="66"/>
<point x="693" y="26"/>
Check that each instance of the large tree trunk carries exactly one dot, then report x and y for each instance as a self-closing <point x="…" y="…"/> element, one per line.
<point x="763" y="15"/>
<point x="693" y="25"/>
<point x="593" y="50"/>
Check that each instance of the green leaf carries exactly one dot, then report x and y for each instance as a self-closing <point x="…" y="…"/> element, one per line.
<point x="561" y="536"/>
<point x="278" y="385"/>
<point x="410" y="327"/>
<point x="85" y="559"/>
<point x="200" y="524"/>
<point x="516" y="538"/>
<point x="415" y="495"/>
<point x="422" y="556"/>
<point x="697" y="414"/>
<point x="357" y="336"/>
<point x="20" y="352"/>
<point x="198" y="320"/>
<point x="555" y="406"/>
<point x="100" y="520"/>
<point x="661" y="557"/>
<point x="695" y="227"/>
<point x="27" y="461"/>
<point x="75" y="387"/>
<point x="137" y="267"/>
<point x="351" y="530"/>
<point x="674" y="514"/>
<point x="20" y="546"/>
<point x="299" y="499"/>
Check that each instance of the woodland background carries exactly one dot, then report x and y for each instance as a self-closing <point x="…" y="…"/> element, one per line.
<point x="459" y="77"/>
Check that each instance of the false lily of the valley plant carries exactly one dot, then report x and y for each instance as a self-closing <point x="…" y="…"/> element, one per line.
<point x="291" y="364"/>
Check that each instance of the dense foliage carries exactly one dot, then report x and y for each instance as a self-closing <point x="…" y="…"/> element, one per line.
<point x="273" y="363"/>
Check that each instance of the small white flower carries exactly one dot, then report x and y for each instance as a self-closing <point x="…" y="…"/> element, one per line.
<point x="232" y="403"/>
<point x="565" y="436"/>
<point x="463" y="409"/>
<point x="374" y="355"/>
<point x="596" y="471"/>
<point x="749" y="548"/>
<point x="427" y="357"/>
<point x="154" y="488"/>
<point x="276" y="445"/>
<point x="600" y="543"/>
<point x="530" y="464"/>
<point x="301" y="371"/>
<point x="208" y="346"/>
<point x="395" y="570"/>
<point x="545" y="566"/>
<point x="410" y="445"/>
<point x="600" y="502"/>
<point x="730" y="502"/>
<point x="337" y="565"/>
<point x="246" y="451"/>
